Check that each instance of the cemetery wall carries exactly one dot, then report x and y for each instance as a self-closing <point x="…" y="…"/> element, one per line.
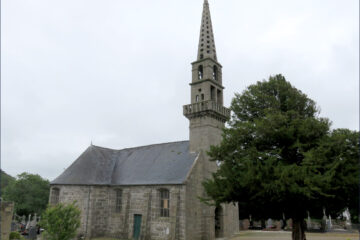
<point x="7" y="210"/>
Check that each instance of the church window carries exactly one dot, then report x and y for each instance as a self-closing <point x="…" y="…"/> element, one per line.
<point x="197" y="98"/>
<point x="118" y="203"/>
<point x="164" y="203"/>
<point x="215" y="73"/>
<point x="202" y="97"/>
<point x="212" y="93"/>
<point x="200" y="70"/>
<point x="55" y="193"/>
<point x="219" y="97"/>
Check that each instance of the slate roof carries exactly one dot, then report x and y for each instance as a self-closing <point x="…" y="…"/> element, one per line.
<point x="167" y="163"/>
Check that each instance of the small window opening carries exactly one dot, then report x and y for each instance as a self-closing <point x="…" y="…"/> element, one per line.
<point x="199" y="90"/>
<point x="164" y="203"/>
<point x="219" y="97"/>
<point x="197" y="98"/>
<point x="212" y="93"/>
<point x="200" y="70"/>
<point x="201" y="56"/>
<point x="215" y="73"/>
<point x="118" y="203"/>
<point x="55" y="193"/>
<point x="202" y="97"/>
<point x="208" y="51"/>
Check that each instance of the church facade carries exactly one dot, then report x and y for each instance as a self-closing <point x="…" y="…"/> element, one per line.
<point x="152" y="192"/>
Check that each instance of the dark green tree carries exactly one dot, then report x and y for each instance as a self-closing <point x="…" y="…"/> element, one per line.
<point x="29" y="192"/>
<point x="277" y="157"/>
<point x="61" y="221"/>
<point x="5" y="180"/>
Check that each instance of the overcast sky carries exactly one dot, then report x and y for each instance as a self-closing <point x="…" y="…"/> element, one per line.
<point x="117" y="72"/>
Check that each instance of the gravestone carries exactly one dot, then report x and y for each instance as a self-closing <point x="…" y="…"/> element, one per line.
<point x="32" y="233"/>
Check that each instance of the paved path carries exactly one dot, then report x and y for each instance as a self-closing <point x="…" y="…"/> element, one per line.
<point x="280" y="235"/>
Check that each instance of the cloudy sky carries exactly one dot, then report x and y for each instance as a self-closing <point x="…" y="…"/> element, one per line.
<point x="116" y="72"/>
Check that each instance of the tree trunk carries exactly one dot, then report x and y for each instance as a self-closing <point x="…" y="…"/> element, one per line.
<point x="298" y="229"/>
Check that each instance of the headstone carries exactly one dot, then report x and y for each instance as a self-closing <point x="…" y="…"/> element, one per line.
<point x="32" y="233"/>
<point x="23" y="220"/>
<point x="308" y="223"/>
<point x="269" y="223"/>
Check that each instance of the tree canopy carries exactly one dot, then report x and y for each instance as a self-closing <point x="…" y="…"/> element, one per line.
<point x="30" y="192"/>
<point x="278" y="156"/>
<point x="6" y="179"/>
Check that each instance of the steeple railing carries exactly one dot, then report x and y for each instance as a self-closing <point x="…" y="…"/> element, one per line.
<point x="205" y="106"/>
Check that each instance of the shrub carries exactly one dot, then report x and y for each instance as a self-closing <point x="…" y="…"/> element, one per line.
<point x="15" y="236"/>
<point x="61" y="221"/>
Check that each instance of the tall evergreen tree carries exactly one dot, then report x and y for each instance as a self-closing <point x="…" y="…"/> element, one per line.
<point x="279" y="157"/>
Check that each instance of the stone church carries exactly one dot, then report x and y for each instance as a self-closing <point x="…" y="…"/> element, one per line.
<point x="152" y="192"/>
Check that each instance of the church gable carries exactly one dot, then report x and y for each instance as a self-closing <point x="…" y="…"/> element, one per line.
<point x="167" y="163"/>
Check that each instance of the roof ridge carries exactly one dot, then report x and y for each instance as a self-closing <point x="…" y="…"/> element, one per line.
<point x="156" y="144"/>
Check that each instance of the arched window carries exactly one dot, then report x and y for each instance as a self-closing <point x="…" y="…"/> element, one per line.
<point x="201" y="56"/>
<point x="215" y="73"/>
<point x="118" y="201"/>
<point x="200" y="72"/>
<point x="55" y="193"/>
<point x="164" y="203"/>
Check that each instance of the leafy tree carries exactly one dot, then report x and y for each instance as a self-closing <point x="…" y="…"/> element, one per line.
<point x="5" y="180"/>
<point x="61" y="221"/>
<point x="30" y="192"/>
<point x="279" y="157"/>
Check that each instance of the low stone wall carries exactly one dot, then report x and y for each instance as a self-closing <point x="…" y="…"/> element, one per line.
<point x="7" y="210"/>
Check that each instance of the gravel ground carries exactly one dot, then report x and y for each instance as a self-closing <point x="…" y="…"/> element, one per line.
<point x="261" y="235"/>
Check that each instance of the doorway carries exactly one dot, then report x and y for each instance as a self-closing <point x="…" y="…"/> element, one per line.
<point x="137" y="226"/>
<point x="219" y="222"/>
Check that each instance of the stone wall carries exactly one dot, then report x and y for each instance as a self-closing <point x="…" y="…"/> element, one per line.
<point x="200" y="218"/>
<point x="7" y="210"/>
<point x="100" y="218"/>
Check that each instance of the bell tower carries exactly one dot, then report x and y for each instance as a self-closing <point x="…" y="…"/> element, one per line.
<point x="206" y="112"/>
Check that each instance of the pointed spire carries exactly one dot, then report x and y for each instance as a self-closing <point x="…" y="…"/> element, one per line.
<point x="206" y="42"/>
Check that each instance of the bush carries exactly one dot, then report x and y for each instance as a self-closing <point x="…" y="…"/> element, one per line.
<point x="61" y="221"/>
<point x="15" y="236"/>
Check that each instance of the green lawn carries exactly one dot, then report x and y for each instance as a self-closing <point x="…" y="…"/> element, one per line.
<point x="260" y="235"/>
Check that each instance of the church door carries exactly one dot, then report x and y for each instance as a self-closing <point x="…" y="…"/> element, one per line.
<point x="137" y="226"/>
<point x="219" y="224"/>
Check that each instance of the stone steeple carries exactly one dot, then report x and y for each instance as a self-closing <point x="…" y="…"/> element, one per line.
<point x="206" y="42"/>
<point x="206" y="112"/>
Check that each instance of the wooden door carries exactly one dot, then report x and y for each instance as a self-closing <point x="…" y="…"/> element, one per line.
<point x="137" y="226"/>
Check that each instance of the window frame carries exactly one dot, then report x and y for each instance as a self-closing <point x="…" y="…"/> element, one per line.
<point x="164" y="195"/>
<point x="118" y="200"/>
